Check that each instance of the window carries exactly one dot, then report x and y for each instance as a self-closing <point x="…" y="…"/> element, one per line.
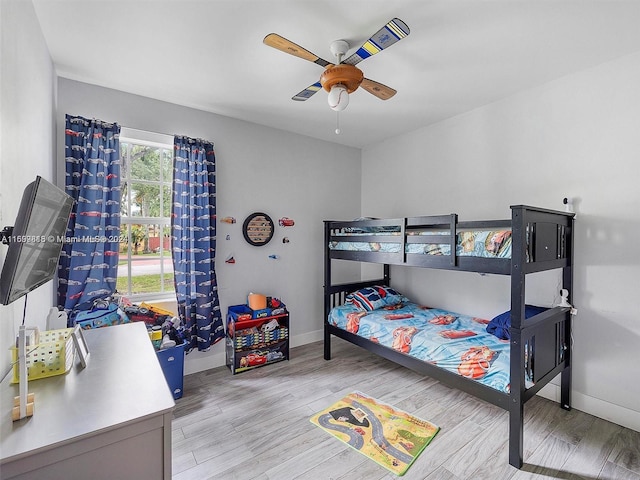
<point x="145" y="267"/>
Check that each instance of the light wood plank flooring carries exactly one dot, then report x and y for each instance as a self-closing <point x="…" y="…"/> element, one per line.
<point x="255" y="426"/>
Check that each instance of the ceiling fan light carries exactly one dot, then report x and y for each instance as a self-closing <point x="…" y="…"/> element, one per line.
<point x="338" y="97"/>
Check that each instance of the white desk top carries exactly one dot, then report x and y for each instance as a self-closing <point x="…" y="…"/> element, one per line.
<point x="122" y="383"/>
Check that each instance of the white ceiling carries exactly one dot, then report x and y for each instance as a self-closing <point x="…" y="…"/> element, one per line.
<point x="208" y="54"/>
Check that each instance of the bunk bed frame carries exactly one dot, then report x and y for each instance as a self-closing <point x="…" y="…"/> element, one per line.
<point x="540" y="346"/>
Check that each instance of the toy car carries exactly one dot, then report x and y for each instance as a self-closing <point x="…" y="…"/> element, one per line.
<point x="272" y="356"/>
<point x="270" y="326"/>
<point x="253" y="360"/>
<point x="286" y="222"/>
<point x="142" y="314"/>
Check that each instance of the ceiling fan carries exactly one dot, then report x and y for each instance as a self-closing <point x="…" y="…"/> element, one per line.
<point x="343" y="77"/>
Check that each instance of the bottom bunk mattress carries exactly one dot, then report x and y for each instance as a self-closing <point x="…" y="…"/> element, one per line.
<point x="455" y="342"/>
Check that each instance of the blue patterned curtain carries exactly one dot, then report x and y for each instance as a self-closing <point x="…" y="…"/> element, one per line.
<point x="88" y="263"/>
<point x="193" y="230"/>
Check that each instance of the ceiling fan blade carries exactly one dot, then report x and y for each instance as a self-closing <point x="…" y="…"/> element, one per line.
<point x="280" y="43"/>
<point x="379" y="90"/>
<point x="391" y="33"/>
<point x="307" y="92"/>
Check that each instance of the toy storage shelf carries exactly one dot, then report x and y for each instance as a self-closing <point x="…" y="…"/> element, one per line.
<point x="255" y="342"/>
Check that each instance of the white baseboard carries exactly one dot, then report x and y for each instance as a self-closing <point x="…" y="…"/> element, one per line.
<point x="196" y="362"/>
<point x="594" y="406"/>
<point x="305" y="338"/>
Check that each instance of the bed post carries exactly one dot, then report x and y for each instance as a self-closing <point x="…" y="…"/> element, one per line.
<point x="516" y="358"/>
<point x="567" y="282"/>
<point x="327" y="291"/>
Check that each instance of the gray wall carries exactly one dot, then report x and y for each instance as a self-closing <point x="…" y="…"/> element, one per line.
<point x="258" y="169"/>
<point x="577" y="137"/>
<point x="27" y="142"/>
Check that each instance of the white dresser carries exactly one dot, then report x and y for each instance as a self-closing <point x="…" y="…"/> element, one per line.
<point x="111" y="420"/>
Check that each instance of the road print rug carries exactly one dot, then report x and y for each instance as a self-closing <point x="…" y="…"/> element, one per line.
<point x="388" y="436"/>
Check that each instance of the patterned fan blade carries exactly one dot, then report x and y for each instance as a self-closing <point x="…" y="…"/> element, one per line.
<point x="280" y="43"/>
<point x="307" y="92"/>
<point x="392" y="32"/>
<point x="379" y="90"/>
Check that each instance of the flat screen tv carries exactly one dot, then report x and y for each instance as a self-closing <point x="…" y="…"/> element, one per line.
<point x="35" y="241"/>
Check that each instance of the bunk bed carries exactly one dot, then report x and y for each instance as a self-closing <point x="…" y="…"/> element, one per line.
<point x="533" y="240"/>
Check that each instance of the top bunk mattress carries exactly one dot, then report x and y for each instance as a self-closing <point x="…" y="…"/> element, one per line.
<point x="471" y="243"/>
<point x="455" y="342"/>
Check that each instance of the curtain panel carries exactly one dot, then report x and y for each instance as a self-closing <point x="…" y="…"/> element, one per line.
<point x="88" y="263"/>
<point x="193" y="233"/>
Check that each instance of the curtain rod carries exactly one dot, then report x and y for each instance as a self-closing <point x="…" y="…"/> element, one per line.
<point x="150" y="131"/>
<point x="164" y="134"/>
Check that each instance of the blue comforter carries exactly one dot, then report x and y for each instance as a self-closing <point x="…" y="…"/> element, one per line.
<point x="455" y="342"/>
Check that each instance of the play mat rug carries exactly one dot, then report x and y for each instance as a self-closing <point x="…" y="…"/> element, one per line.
<point x="391" y="437"/>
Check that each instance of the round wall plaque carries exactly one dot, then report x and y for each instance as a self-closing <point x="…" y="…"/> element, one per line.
<point x="258" y="229"/>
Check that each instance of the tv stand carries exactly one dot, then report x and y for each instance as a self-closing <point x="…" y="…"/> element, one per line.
<point x="109" y="420"/>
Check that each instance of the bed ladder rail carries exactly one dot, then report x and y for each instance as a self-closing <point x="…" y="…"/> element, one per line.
<point x="336" y="230"/>
<point x="435" y="222"/>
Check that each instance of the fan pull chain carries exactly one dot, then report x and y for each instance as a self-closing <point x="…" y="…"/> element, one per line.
<point x="338" y="131"/>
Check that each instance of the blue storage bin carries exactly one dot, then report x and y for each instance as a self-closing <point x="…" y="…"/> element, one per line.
<point x="238" y="313"/>
<point x="262" y="313"/>
<point x="172" y="363"/>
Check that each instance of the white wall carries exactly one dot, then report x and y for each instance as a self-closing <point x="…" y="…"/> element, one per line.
<point x="27" y="143"/>
<point x="577" y="136"/>
<point x="258" y="169"/>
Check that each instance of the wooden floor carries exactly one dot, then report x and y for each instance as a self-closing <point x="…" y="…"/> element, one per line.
<point x="255" y="425"/>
